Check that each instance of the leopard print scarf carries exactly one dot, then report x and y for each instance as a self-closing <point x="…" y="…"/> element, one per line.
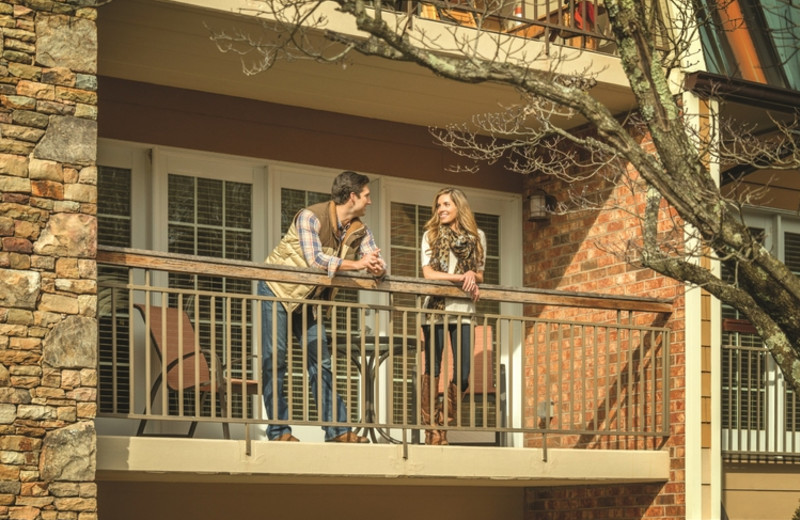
<point x="464" y="247"/>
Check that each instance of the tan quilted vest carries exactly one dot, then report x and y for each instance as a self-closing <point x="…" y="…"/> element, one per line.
<point x="288" y="252"/>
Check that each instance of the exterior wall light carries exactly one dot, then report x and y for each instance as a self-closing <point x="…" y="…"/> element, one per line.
<point x="544" y="410"/>
<point x="540" y="205"/>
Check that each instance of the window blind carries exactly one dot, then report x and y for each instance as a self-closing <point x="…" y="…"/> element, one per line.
<point x="213" y="218"/>
<point x="113" y="229"/>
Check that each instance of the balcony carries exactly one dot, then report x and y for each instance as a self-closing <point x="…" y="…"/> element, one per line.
<point x="185" y="58"/>
<point x="580" y="24"/>
<point x="550" y="401"/>
<point x="760" y="411"/>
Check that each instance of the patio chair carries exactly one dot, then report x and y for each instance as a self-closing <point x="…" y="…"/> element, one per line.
<point x="173" y="339"/>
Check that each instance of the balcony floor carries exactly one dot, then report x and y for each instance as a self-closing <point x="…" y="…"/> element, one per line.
<point x="196" y="460"/>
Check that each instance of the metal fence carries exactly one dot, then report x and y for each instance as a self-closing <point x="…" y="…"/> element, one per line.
<point x="176" y="347"/>
<point x="760" y="412"/>
<point x="574" y="23"/>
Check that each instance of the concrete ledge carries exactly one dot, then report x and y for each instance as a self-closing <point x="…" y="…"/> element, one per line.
<point x="191" y="460"/>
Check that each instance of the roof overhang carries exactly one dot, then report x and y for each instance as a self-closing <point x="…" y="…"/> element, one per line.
<point x="767" y="97"/>
<point x="760" y="107"/>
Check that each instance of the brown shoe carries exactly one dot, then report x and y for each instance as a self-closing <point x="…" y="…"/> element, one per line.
<point x="350" y="437"/>
<point x="286" y="437"/>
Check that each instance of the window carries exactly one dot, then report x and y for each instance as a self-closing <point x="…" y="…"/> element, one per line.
<point x="760" y="413"/>
<point x="179" y="202"/>
<point x="791" y="249"/>
<point x="407" y="223"/>
<point x="114" y="211"/>
<point x="744" y="373"/>
<point x="213" y="218"/>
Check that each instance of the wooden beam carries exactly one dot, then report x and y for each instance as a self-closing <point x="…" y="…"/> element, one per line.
<point x="207" y="266"/>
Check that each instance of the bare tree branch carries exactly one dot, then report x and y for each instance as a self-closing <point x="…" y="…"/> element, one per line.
<point x="560" y="129"/>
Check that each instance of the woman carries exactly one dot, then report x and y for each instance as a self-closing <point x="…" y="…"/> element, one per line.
<point x="453" y="249"/>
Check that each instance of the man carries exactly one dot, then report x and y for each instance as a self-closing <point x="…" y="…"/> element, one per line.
<point x="328" y="236"/>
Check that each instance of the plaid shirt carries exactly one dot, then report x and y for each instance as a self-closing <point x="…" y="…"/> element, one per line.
<point x="308" y="226"/>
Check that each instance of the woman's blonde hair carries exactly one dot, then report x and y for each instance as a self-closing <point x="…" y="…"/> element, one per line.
<point x="465" y="217"/>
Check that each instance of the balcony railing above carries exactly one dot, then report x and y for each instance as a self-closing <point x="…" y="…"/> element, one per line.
<point x="575" y="23"/>
<point x="180" y="344"/>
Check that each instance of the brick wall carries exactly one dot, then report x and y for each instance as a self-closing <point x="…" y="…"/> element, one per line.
<point x="586" y="251"/>
<point x="48" y="134"/>
<point x="623" y="502"/>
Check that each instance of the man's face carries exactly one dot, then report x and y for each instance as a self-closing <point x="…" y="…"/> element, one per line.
<point x="361" y="201"/>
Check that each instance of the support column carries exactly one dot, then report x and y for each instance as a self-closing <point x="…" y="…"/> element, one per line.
<point x="48" y="274"/>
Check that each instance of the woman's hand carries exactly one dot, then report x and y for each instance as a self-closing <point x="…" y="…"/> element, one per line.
<point x="469" y="284"/>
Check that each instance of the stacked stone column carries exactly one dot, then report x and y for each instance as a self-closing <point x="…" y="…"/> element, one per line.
<point x="48" y="274"/>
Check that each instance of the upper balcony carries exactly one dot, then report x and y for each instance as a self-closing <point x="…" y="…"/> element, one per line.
<point x="550" y="401"/>
<point x="168" y="43"/>
<point x="573" y="23"/>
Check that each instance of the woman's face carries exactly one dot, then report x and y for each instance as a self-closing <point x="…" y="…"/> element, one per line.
<point x="446" y="210"/>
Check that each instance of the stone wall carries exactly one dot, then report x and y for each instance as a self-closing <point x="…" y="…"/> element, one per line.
<point x="48" y="235"/>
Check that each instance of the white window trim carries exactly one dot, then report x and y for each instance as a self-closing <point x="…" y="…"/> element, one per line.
<point x="168" y="161"/>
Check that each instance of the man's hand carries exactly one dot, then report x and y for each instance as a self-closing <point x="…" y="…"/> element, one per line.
<point x="373" y="263"/>
<point x="370" y="262"/>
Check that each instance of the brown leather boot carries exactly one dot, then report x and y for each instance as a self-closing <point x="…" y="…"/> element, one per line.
<point x="425" y="406"/>
<point x="452" y="404"/>
<point x="452" y="397"/>
<point x="432" y="437"/>
<point x="440" y="436"/>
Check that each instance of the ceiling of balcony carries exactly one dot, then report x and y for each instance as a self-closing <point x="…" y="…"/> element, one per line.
<point x="167" y="43"/>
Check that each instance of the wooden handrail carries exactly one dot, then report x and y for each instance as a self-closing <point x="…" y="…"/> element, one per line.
<point x="200" y="265"/>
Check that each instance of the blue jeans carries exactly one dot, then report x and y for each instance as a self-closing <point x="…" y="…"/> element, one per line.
<point x="439" y="342"/>
<point x="272" y="381"/>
